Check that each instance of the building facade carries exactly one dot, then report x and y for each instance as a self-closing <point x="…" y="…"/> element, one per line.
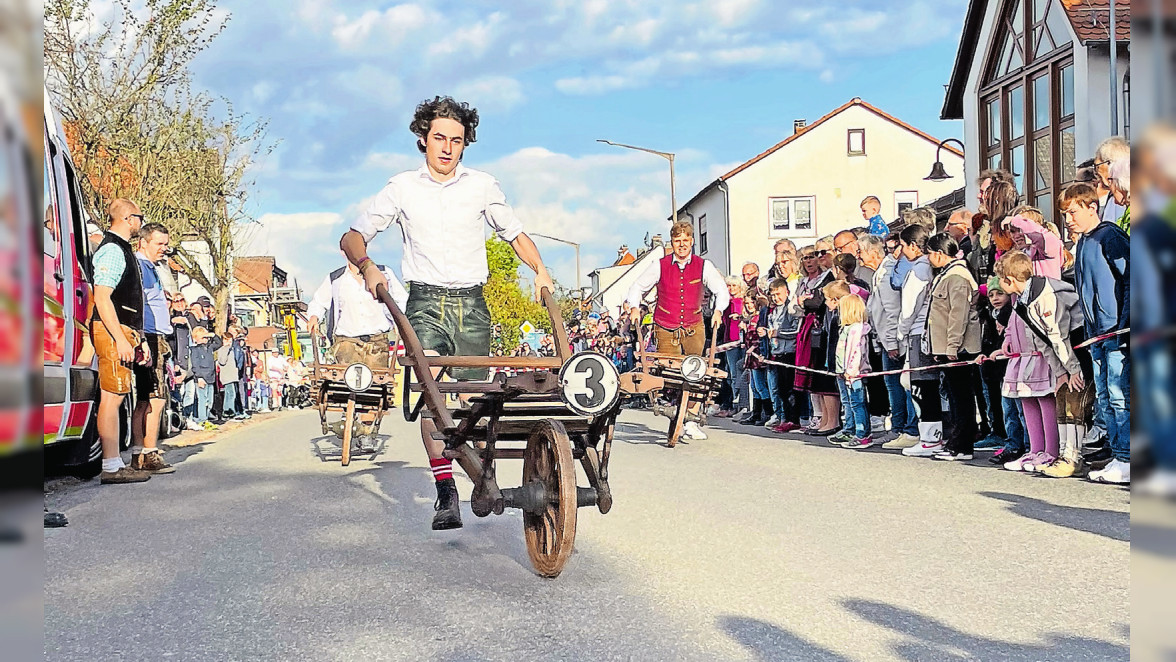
<point x="812" y="184"/>
<point x="1032" y="83"/>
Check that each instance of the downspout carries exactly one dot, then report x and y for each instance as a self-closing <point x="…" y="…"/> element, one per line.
<point x="726" y="218"/>
<point x="1114" y="75"/>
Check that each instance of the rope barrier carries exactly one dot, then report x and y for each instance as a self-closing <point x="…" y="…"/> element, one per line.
<point x="882" y="373"/>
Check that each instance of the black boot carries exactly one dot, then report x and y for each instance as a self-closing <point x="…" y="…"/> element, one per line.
<point x="448" y="506"/>
<point x="757" y="410"/>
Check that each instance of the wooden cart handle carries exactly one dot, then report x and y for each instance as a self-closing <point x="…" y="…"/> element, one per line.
<point x="563" y="348"/>
<point x="714" y="344"/>
<point x="314" y="350"/>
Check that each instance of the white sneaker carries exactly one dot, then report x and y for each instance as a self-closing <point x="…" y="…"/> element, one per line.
<point x="712" y="410"/>
<point x="772" y="422"/>
<point x="192" y="425"/>
<point x="1117" y="472"/>
<point x="1093" y="437"/>
<point x="693" y="431"/>
<point x="741" y="413"/>
<point x="923" y="449"/>
<point x="1161" y="483"/>
<point x="877" y="424"/>
<point x="901" y="442"/>
<point x="804" y="421"/>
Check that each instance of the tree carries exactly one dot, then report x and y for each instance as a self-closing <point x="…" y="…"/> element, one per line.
<point x="509" y="304"/>
<point x="137" y="130"/>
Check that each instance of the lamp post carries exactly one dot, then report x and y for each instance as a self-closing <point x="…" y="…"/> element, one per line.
<point x="665" y="155"/>
<point x="938" y="172"/>
<point x="570" y="243"/>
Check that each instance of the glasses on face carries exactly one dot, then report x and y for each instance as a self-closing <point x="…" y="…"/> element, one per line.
<point x="810" y="256"/>
<point x="822" y="253"/>
<point x="138" y="216"/>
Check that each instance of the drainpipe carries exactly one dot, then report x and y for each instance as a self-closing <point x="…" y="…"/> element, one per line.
<point x="1114" y="75"/>
<point x="727" y="219"/>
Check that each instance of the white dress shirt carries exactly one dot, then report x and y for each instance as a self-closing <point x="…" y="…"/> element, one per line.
<point x="357" y="313"/>
<point x="710" y="277"/>
<point x="442" y="224"/>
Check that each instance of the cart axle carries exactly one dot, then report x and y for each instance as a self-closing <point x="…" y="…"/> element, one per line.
<point x="533" y="497"/>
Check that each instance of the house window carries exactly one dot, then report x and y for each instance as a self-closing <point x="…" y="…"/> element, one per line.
<point x="904" y="200"/>
<point x="702" y="244"/>
<point x="791" y="216"/>
<point x="1027" y="99"/>
<point x="857" y="142"/>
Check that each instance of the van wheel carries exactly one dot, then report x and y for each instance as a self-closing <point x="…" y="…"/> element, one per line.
<point x="91" y="461"/>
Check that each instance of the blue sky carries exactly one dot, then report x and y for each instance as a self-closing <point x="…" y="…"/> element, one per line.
<point x="715" y="82"/>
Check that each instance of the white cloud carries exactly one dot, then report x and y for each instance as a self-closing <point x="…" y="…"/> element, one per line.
<point x="305" y="244"/>
<point x="394" y="25"/>
<point x="491" y="93"/>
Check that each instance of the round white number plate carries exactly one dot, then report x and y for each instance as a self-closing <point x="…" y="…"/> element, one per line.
<point x="589" y="383"/>
<point x="693" y="368"/>
<point x="358" y="377"/>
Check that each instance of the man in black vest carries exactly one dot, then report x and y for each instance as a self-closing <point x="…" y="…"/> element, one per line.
<point x="116" y="332"/>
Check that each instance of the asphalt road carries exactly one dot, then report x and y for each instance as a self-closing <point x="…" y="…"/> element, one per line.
<point x="746" y="546"/>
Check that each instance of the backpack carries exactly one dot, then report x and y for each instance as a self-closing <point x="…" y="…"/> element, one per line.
<point x="1069" y="315"/>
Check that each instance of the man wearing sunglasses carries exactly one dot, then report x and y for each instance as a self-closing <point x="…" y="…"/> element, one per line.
<point x="116" y="330"/>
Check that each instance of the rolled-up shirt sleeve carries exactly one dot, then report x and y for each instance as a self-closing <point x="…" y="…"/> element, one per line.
<point x="716" y="284"/>
<point x="499" y="215"/>
<point x="644" y="283"/>
<point x="381" y="212"/>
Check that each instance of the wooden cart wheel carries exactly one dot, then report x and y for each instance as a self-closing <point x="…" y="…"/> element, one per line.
<point x="677" y="421"/>
<point x="348" y="425"/>
<point x="551" y="533"/>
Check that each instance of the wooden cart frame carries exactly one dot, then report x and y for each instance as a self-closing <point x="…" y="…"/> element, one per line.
<point x="660" y="373"/>
<point x="331" y="393"/>
<point x="529" y="407"/>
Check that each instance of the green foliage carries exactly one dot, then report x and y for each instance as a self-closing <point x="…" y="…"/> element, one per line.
<point x="509" y="304"/>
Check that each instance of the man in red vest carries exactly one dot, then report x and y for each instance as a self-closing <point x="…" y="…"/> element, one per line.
<point x="681" y="279"/>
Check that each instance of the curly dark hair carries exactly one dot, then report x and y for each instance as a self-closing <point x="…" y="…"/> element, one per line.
<point x="446" y="108"/>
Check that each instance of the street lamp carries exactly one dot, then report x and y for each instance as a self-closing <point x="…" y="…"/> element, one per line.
<point x="570" y="243"/>
<point x="938" y="172"/>
<point x="665" y="155"/>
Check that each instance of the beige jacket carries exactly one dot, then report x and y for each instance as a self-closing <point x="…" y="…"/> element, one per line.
<point x="953" y="325"/>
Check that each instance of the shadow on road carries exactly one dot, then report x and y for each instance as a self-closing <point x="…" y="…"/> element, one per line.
<point x="1107" y="523"/>
<point x="770" y="642"/>
<point x="329" y="448"/>
<point x="930" y="639"/>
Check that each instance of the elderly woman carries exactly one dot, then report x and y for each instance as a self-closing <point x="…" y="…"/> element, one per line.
<point x="1119" y="181"/>
<point x="733" y="358"/>
<point x="811" y="341"/>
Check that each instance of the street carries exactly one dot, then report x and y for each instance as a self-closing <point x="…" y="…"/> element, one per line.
<point x="746" y="546"/>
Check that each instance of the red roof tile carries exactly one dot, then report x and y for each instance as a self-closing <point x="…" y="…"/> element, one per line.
<point x="254" y="273"/>
<point x="1091" y="18"/>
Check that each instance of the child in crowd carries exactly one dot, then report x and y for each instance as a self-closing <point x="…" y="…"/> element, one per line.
<point x="833" y="293"/>
<point x="757" y="345"/>
<point x="782" y="327"/>
<point x="1047" y="359"/>
<point x="994" y="317"/>
<point x="845" y="269"/>
<point x="852" y="362"/>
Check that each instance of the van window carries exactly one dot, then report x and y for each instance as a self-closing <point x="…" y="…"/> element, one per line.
<point x="81" y="237"/>
<point x="50" y="215"/>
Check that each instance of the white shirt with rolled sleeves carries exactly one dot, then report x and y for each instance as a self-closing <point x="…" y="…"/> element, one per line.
<point x="442" y="224"/>
<point x="357" y="313"/>
<point x="710" y="277"/>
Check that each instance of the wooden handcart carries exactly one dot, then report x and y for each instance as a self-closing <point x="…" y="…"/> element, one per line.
<point x="686" y="382"/>
<point x="552" y="412"/>
<point x="353" y="390"/>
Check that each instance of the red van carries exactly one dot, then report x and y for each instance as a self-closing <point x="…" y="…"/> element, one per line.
<point x="70" y="367"/>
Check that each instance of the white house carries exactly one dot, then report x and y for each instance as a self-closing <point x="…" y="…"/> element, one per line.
<point x="812" y="183"/>
<point x="1032" y="83"/>
<point x="610" y="285"/>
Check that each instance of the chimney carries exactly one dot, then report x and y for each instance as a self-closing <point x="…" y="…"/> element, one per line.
<point x="656" y="240"/>
<point x="798" y="125"/>
<point x="622" y="250"/>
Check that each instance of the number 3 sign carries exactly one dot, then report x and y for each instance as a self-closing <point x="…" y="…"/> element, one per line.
<point x="589" y="383"/>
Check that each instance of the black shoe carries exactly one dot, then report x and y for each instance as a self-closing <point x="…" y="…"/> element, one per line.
<point x="757" y="410"/>
<point x="1006" y="454"/>
<point x="448" y="506"/>
<point x="1096" y="454"/>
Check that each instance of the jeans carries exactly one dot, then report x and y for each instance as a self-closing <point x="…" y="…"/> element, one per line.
<point x="903" y="418"/>
<point x="853" y="400"/>
<point x="734" y="358"/>
<point x="780" y="385"/>
<point x="1112" y="387"/>
<point x="229" y="408"/>
<point x="203" y="402"/>
<point x="759" y="384"/>
<point x="242" y="399"/>
<point x="1014" y="424"/>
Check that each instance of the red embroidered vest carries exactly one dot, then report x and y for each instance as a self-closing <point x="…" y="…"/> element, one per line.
<point x="679" y="294"/>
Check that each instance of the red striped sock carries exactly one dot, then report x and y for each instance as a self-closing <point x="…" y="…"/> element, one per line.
<point x="442" y="469"/>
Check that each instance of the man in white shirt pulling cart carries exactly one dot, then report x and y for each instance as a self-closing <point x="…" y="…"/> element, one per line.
<point x="442" y="210"/>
